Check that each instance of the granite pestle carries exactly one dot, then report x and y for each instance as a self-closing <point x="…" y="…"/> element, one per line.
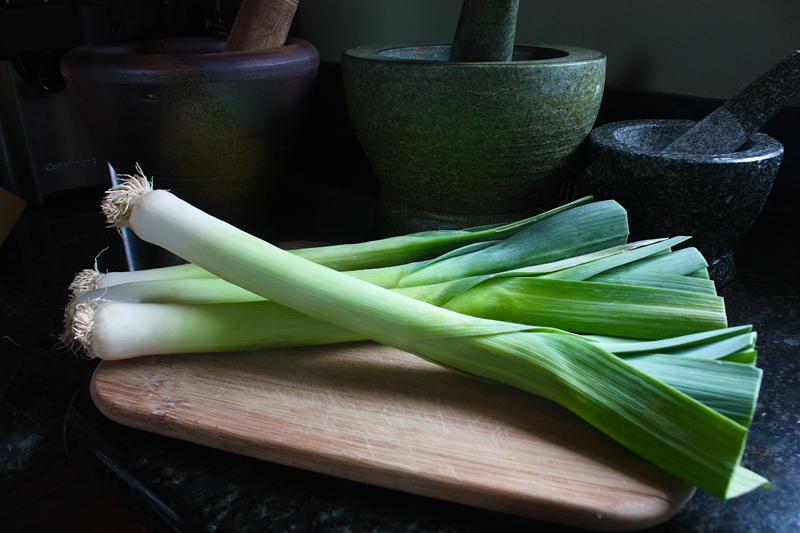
<point x="730" y="126"/>
<point x="485" y="31"/>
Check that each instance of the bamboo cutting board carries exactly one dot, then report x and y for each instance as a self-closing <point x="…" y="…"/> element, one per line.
<point x="374" y="414"/>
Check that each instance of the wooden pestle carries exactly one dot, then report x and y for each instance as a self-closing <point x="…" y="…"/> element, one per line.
<point x="485" y="31"/>
<point x="261" y="25"/>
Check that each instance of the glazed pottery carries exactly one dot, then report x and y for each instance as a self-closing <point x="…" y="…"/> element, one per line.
<point x="218" y="129"/>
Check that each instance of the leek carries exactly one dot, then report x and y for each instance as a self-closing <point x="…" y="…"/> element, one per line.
<point x="663" y="425"/>
<point x="528" y="295"/>
<point x="579" y="307"/>
<point x="572" y="231"/>
<point x="119" y="330"/>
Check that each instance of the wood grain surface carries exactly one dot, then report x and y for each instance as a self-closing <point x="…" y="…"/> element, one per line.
<point x="374" y="414"/>
<point x="261" y="25"/>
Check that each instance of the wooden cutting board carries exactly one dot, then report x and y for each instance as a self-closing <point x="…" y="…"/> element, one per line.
<point x="374" y="414"/>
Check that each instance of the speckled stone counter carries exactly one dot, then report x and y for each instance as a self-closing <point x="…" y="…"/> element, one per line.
<point x="38" y="388"/>
<point x="37" y="381"/>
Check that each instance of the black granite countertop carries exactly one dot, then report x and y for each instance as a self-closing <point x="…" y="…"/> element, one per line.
<point x="47" y="416"/>
<point x="38" y="380"/>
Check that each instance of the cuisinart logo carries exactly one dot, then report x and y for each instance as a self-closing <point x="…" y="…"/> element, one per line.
<point x="63" y="165"/>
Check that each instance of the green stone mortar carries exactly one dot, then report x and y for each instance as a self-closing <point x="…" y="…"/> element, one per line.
<point x="458" y="144"/>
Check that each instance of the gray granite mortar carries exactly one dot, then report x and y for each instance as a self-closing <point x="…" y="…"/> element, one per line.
<point x="714" y="198"/>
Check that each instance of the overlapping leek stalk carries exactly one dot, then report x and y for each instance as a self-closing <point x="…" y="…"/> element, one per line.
<point x="611" y="228"/>
<point x="662" y="424"/>
<point x="565" y="233"/>
<point x="543" y="295"/>
<point x="202" y="315"/>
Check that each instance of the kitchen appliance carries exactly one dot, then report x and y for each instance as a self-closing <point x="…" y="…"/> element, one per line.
<point x="44" y="147"/>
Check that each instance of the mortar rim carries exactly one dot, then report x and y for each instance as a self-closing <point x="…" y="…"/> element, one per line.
<point x="763" y="146"/>
<point x="116" y="55"/>
<point x="574" y="55"/>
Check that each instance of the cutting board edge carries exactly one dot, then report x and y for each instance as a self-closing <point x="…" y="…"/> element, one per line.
<point x="513" y="503"/>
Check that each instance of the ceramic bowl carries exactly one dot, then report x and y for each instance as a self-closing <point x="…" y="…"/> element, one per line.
<point x="463" y="144"/>
<point x="217" y="129"/>
<point x="714" y="198"/>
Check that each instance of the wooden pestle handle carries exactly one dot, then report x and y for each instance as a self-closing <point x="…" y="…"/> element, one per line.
<point x="261" y="25"/>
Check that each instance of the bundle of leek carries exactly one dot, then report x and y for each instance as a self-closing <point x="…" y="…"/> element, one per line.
<point x="585" y="374"/>
<point x="564" y="294"/>
<point x="551" y="294"/>
<point x="207" y="314"/>
<point x="565" y="232"/>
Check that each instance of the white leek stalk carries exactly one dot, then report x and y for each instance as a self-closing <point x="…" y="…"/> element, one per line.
<point x="576" y="228"/>
<point x="550" y="294"/>
<point x="665" y="426"/>
<point x="575" y="306"/>
<point x="114" y="330"/>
